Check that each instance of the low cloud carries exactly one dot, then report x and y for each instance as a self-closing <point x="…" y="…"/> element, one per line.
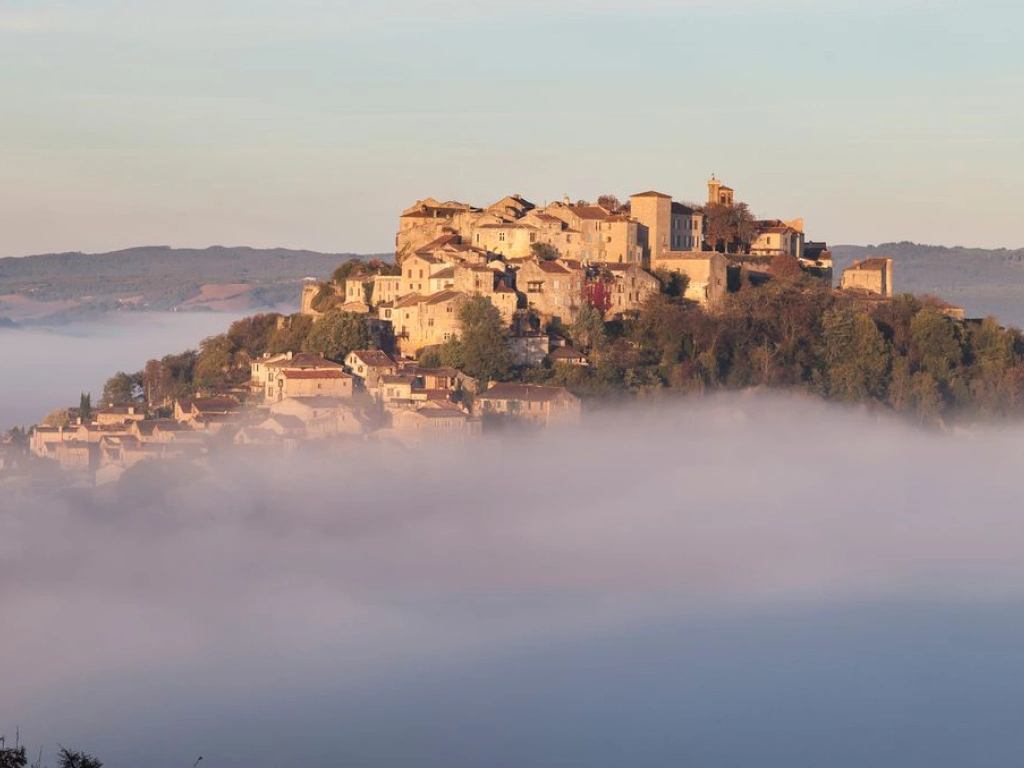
<point x="273" y="580"/>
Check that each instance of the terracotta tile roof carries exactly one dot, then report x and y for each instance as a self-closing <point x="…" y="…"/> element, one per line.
<point x="533" y="393"/>
<point x="324" y="374"/>
<point x="590" y="212"/>
<point x="288" y="421"/>
<point x="652" y="193"/>
<point x="448" y="273"/>
<point x="304" y="360"/>
<point x="441" y="413"/>
<point x="442" y="296"/>
<point x="682" y="209"/>
<point x="166" y="425"/>
<point x="567" y="353"/>
<point x="408" y="301"/>
<point x="322" y="401"/>
<point x="215" y="404"/>
<point x="440" y="242"/>
<point x="552" y="267"/>
<point x="374" y="358"/>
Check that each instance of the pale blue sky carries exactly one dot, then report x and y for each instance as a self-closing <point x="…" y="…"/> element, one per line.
<point x="311" y="124"/>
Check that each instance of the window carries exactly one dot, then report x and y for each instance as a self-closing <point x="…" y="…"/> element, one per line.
<point x="535" y="286"/>
<point x="501" y="237"/>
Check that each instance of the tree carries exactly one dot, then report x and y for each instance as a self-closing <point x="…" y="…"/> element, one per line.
<point x="85" y="407"/>
<point x="167" y="378"/>
<point x="856" y="357"/>
<point x="336" y="334"/>
<point x="70" y="759"/>
<point x="122" y="388"/>
<point x="544" y="251"/>
<point x="934" y="346"/>
<point x="58" y="417"/>
<point x="253" y="334"/>
<point x="348" y="269"/>
<point x="729" y="228"/>
<point x="290" y="334"/>
<point x="785" y="267"/>
<point x="481" y="350"/>
<point x="326" y="297"/>
<point x="12" y="757"/>
<point x="611" y="202"/>
<point x="588" y="330"/>
<point x="673" y="284"/>
<point x="215" y="362"/>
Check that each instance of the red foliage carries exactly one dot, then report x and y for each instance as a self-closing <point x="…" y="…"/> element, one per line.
<point x="598" y="294"/>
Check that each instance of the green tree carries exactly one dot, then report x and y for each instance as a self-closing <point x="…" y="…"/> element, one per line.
<point x="481" y="350"/>
<point x="544" y="251"/>
<point x="926" y="396"/>
<point x="216" y="361"/>
<point x="588" y="330"/>
<point x="856" y="357"/>
<point x="291" y="334"/>
<point x="85" y="407"/>
<point x="336" y="334"/>
<point x="934" y="345"/>
<point x="673" y="284"/>
<point x="122" y="388"/>
<point x="253" y="334"/>
<point x="326" y="298"/>
<point x="168" y="378"/>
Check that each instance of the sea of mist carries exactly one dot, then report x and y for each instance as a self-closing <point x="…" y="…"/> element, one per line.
<point x="729" y="581"/>
<point x="49" y="367"/>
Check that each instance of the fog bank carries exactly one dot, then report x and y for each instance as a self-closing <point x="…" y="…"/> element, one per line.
<point x="48" y="368"/>
<point x="729" y="581"/>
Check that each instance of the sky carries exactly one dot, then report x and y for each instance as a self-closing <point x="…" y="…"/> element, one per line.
<point x="803" y="585"/>
<point x="312" y="124"/>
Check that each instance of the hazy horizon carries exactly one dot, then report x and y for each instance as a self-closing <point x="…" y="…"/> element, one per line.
<point x="241" y="122"/>
<point x="386" y="251"/>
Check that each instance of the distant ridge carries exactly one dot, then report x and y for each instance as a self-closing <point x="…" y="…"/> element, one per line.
<point x="58" y="286"/>
<point x="982" y="281"/>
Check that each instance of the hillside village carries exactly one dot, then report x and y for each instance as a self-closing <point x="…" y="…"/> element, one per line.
<point x="540" y="264"/>
<point x="574" y="296"/>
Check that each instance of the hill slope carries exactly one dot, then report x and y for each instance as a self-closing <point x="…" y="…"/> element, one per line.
<point x="66" y="285"/>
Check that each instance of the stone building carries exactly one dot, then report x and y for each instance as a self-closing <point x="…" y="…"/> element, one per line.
<point x="630" y="286"/>
<point x="665" y="226"/>
<point x="421" y="321"/>
<point x="779" y="238"/>
<point x="531" y="403"/>
<point x="707" y="272"/>
<point x="554" y="289"/>
<point x="871" y="275"/>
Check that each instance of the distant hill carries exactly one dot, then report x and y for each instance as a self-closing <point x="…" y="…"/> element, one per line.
<point x="983" y="282"/>
<point x="58" y="286"/>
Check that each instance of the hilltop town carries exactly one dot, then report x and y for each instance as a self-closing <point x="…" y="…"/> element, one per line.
<point x="516" y="315"/>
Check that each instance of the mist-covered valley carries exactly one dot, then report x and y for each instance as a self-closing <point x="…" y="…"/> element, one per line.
<point x="49" y="367"/>
<point x="726" y="581"/>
